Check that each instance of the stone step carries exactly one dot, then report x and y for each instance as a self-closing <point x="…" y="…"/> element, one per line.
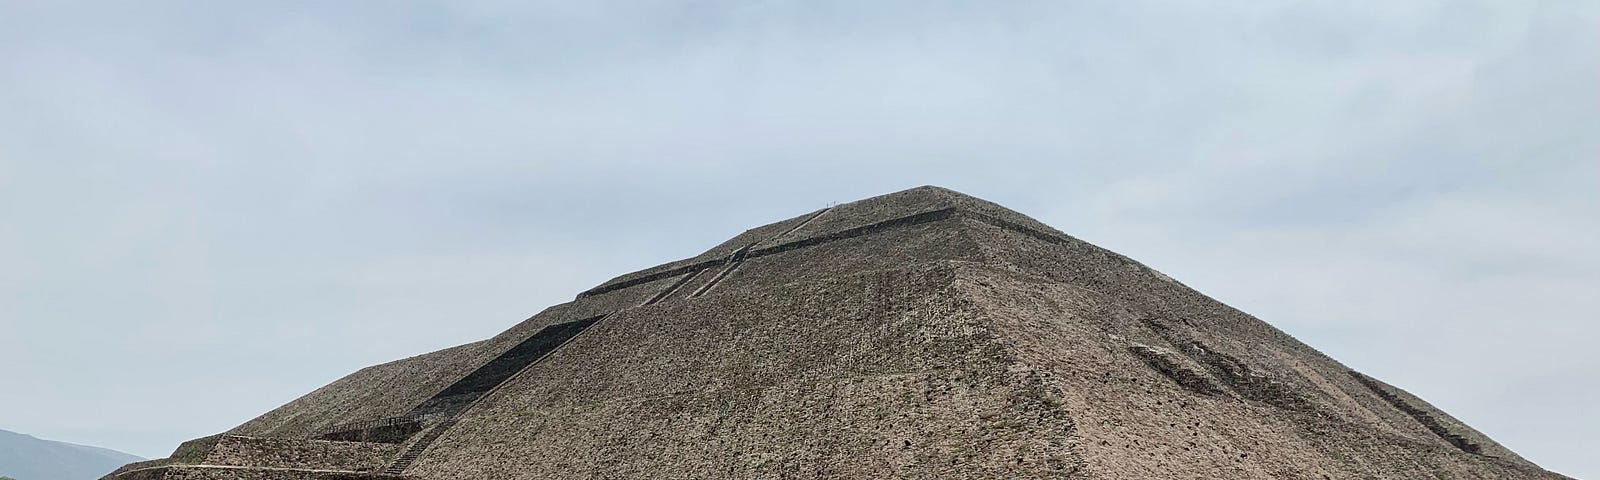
<point x="228" y="472"/>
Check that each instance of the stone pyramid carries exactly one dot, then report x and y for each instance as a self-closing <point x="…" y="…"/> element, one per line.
<point x="923" y="334"/>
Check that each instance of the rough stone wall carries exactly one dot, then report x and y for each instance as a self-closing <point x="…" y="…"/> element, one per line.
<point x="891" y="248"/>
<point x="125" y="472"/>
<point x="300" y="454"/>
<point x="1160" y="412"/>
<point x="180" y="472"/>
<point x="877" y="375"/>
<point x="195" y="451"/>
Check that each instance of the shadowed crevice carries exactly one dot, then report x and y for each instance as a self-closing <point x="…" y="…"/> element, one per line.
<point x="1426" y="419"/>
<point x="1168" y="363"/>
<point x="454" y="399"/>
<point x="475" y="384"/>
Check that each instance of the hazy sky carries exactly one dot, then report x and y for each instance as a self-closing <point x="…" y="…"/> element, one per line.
<point x="208" y="209"/>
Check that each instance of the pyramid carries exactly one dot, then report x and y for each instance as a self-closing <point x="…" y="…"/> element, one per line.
<point x="923" y="334"/>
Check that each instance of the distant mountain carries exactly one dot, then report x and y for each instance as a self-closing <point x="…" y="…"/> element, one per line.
<point x="24" y="457"/>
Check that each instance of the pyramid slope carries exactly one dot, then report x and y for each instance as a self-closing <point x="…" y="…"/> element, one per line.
<point x="1152" y="405"/>
<point x="1214" y="337"/>
<point x="806" y="385"/>
<point x="391" y="389"/>
<point x="920" y="334"/>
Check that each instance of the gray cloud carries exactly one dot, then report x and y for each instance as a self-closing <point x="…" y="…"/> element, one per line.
<point x="208" y="209"/>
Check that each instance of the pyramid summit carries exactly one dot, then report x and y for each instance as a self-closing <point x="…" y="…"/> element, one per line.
<point x="920" y="334"/>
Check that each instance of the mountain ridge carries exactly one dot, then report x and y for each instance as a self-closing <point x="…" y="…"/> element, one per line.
<point x="26" y="457"/>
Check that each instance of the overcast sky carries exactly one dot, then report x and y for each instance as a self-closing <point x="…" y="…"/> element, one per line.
<point x="208" y="209"/>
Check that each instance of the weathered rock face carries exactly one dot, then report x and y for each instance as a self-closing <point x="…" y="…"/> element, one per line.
<point x="921" y="334"/>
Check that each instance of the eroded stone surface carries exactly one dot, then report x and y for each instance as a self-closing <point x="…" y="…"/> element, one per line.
<point x="921" y="334"/>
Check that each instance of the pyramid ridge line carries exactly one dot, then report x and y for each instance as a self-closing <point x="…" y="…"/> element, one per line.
<point x="839" y="216"/>
<point x="927" y="216"/>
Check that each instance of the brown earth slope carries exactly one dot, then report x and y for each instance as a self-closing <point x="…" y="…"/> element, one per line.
<point x="920" y="334"/>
